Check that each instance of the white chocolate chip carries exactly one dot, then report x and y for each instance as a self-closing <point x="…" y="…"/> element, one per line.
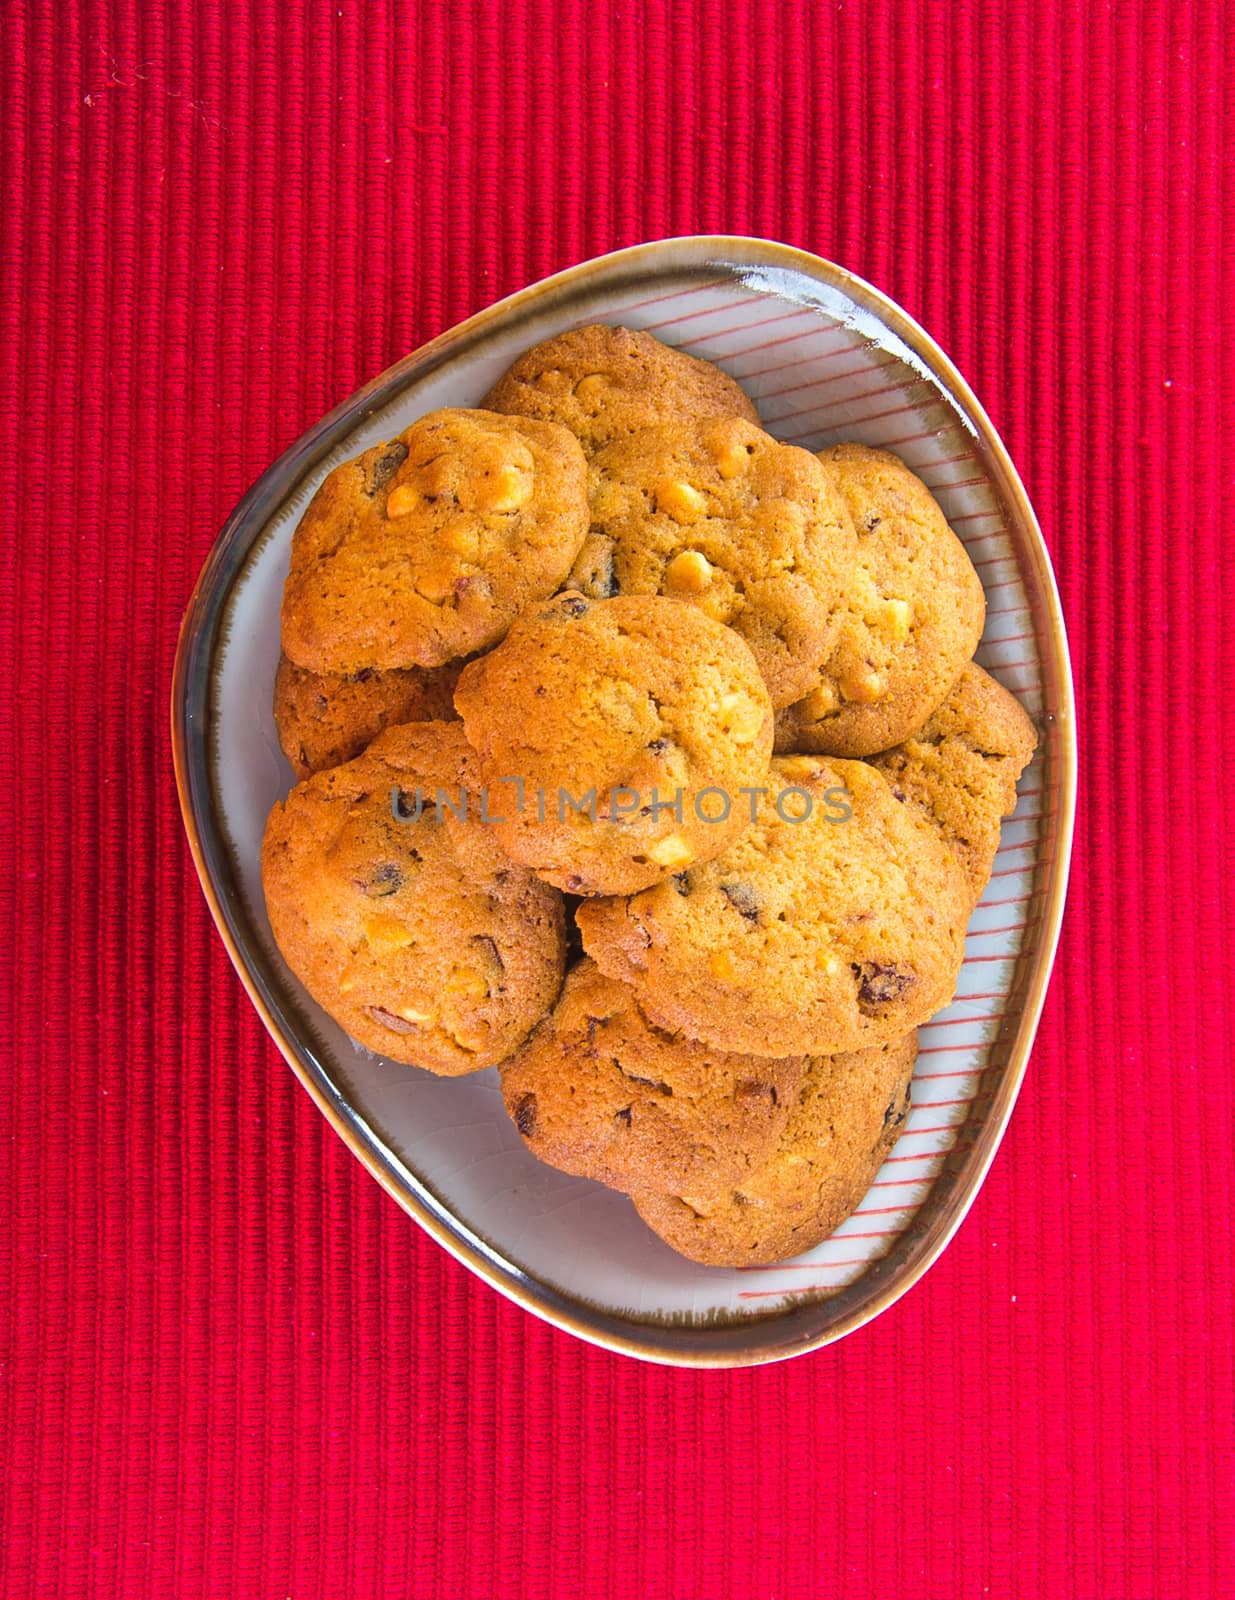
<point x="505" y="491"/>
<point x="863" y="686"/>
<point x="732" y="460"/>
<point x="897" y="618"/>
<point x="820" y="702"/>
<point x="680" y="500"/>
<point x="401" y="499"/>
<point x="690" y="572"/>
<point x="385" y="935"/>
<point x="720" y="964"/>
<point x="743" y="717"/>
<point x="671" y="851"/>
<point x="469" y="984"/>
<point x="593" y="389"/>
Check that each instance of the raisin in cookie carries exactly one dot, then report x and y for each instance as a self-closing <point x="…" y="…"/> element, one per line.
<point x="599" y="1091"/>
<point x="914" y="615"/>
<point x="840" y="930"/>
<point x="960" y="769"/>
<point x="425" y="549"/>
<point x="849" y="1115"/>
<point x="615" y="737"/>
<point x="718" y="514"/>
<point x="405" y="921"/>
<point x="603" y="383"/>
<point x="324" y="719"/>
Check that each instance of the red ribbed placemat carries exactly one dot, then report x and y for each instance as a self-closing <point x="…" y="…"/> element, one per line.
<point x="231" y="1366"/>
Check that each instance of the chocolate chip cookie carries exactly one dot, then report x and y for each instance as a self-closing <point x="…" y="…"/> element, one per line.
<point x="845" y="1121"/>
<point x="718" y="514"/>
<point x="913" y="617"/>
<point x="425" y="549"/>
<point x="604" y="383"/>
<point x="599" y="1091"/>
<point x="325" y="718"/>
<point x="836" y="921"/>
<point x="960" y="769"/>
<point x="402" y="917"/>
<point x="616" y="738"/>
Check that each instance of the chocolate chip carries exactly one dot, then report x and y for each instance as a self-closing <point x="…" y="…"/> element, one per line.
<point x="489" y="946"/>
<point x="525" y="1115"/>
<point x="658" y="746"/>
<point x="595" y="567"/>
<point x="872" y="522"/>
<point x="648" y="1083"/>
<point x="389" y="1020"/>
<point x="898" y="1109"/>
<point x="623" y="1117"/>
<point x="742" y="897"/>
<point x="681" y="882"/>
<point x="362" y="676"/>
<point x="879" y="985"/>
<point x="404" y="808"/>
<point x="574" y="605"/>
<point x="385" y="879"/>
<point x="385" y="467"/>
<point x="604" y="583"/>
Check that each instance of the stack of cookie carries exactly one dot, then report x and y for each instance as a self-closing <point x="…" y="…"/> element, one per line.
<point x="643" y="758"/>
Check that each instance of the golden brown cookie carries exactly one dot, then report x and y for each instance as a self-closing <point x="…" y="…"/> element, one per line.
<point x="325" y="719"/>
<point x="845" y="1121"/>
<point x="404" y="920"/>
<point x="914" y="615"/>
<point x="960" y="770"/>
<point x="599" y="1091"/>
<point x="830" y="933"/>
<point x="425" y="549"/>
<point x="603" y="383"/>
<point x="718" y="514"/>
<point x="615" y="737"/>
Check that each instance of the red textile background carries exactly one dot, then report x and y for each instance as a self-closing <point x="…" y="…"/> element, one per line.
<point x="231" y="1366"/>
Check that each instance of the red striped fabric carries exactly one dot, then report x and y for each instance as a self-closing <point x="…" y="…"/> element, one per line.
<point x="229" y="1366"/>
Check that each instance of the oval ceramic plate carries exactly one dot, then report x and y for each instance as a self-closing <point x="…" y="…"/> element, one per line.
<point x="825" y="358"/>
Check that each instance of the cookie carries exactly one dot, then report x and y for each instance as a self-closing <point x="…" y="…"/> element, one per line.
<point x="960" y="769"/>
<point x="603" y="383"/>
<point x="325" y="719"/>
<point x="615" y="737"/>
<point x="403" y="919"/>
<point x="849" y="1115"/>
<point x="718" y="514"/>
<point x="425" y="549"/>
<point x="822" y="929"/>
<point x="600" y="1092"/>
<point x="914" y="615"/>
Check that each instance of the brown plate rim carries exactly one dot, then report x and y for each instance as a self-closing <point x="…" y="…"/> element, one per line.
<point x="792" y="1327"/>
